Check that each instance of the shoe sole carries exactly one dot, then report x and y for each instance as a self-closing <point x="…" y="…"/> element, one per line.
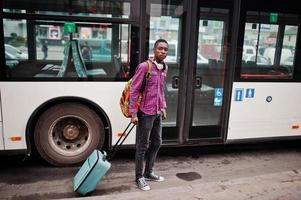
<point x="148" y="179"/>
<point x="145" y="189"/>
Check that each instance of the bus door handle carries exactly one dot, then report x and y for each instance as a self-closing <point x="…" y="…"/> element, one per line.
<point x="175" y="82"/>
<point x="198" y="82"/>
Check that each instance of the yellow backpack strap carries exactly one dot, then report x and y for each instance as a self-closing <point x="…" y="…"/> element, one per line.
<point x="149" y="69"/>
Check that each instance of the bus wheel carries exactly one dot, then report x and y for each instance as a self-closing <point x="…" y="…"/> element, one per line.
<point x="67" y="133"/>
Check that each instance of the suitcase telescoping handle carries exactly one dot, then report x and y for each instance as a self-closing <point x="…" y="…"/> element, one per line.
<point x="120" y="141"/>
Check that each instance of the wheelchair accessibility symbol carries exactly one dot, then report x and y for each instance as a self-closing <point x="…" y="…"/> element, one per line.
<point x="218" y="96"/>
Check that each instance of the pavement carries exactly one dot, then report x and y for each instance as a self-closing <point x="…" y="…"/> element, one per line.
<point x="270" y="175"/>
<point x="275" y="186"/>
<point x="190" y="174"/>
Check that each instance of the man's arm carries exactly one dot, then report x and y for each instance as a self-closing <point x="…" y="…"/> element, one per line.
<point x="164" y="109"/>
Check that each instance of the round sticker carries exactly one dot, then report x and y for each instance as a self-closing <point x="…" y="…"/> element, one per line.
<point x="269" y="99"/>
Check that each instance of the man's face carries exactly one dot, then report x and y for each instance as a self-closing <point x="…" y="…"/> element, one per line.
<point x="160" y="51"/>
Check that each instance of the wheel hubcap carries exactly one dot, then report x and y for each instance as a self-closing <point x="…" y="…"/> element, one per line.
<point x="70" y="132"/>
<point x="69" y="135"/>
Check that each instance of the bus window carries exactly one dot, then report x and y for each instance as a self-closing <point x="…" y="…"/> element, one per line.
<point x="268" y="52"/>
<point x="289" y="42"/>
<point x="15" y="46"/>
<point x="210" y="40"/>
<point x="97" y="52"/>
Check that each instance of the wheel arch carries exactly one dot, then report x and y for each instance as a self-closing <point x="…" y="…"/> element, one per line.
<point x="43" y="107"/>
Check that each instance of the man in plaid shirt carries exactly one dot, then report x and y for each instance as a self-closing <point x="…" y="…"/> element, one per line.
<point x="149" y="116"/>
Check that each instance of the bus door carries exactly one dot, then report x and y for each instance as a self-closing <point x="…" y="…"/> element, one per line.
<point x="209" y="81"/>
<point x="166" y="22"/>
<point x="205" y="102"/>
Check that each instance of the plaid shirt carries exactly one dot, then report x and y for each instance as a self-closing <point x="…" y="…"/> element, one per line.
<point x="153" y="97"/>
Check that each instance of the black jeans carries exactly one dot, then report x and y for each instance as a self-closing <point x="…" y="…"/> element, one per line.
<point x="148" y="142"/>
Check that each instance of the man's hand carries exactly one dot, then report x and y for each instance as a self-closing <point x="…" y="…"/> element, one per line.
<point x="134" y="120"/>
<point x="164" y="113"/>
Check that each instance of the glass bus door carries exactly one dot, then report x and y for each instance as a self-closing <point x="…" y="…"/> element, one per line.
<point x="209" y="74"/>
<point x="166" y="22"/>
<point x="206" y="103"/>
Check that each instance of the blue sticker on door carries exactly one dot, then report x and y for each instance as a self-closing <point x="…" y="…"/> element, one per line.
<point x="218" y="96"/>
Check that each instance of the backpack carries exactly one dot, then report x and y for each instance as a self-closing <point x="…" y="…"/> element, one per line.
<point x="125" y="96"/>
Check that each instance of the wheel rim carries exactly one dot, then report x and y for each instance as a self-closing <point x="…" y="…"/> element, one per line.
<point x="69" y="135"/>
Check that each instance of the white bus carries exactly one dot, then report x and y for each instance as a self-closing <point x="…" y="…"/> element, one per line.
<point x="61" y="103"/>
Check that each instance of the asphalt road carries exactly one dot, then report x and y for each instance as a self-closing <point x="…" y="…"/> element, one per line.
<point x="236" y="172"/>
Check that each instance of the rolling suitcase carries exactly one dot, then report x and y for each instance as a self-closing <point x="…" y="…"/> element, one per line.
<point x="96" y="166"/>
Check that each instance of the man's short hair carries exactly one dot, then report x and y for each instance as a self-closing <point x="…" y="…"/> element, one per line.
<point x="158" y="41"/>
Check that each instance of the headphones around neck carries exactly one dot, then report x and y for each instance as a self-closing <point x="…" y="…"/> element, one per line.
<point x="164" y="65"/>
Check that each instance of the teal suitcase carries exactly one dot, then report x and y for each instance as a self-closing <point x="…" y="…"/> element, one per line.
<point x="95" y="167"/>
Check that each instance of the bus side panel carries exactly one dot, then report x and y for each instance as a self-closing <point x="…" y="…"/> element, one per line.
<point x="18" y="106"/>
<point x="1" y="137"/>
<point x="1" y="127"/>
<point x="0" y="108"/>
<point x="263" y="110"/>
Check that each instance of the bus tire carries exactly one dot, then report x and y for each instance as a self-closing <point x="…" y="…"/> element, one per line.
<point x="67" y="133"/>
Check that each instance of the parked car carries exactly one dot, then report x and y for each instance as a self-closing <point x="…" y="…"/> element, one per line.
<point x="17" y="53"/>
<point x="260" y="60"/>
<point x="10" y="60"/>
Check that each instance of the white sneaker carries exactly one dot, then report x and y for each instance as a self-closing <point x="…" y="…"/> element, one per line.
<point x="154" y="177"/>
<point x="142" y="184"/>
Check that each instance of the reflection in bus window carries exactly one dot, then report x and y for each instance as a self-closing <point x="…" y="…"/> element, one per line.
<point x="94" y="52"/>
<point x="267" y="54"/>
<point x="289" y="43"/>
<point x="99" y="49"/>
<point x="210" y="40"/>
<point x="16" y="50"/>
